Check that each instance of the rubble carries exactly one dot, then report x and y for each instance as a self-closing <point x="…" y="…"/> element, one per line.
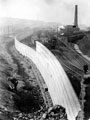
<point x="56" y="112"/>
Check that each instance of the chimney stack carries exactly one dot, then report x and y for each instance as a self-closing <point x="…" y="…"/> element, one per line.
<point x="76" y="16"/>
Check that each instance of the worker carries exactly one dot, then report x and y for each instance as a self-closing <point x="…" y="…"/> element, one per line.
<point x="14" y="81"/>
<point x="85" y="68"/>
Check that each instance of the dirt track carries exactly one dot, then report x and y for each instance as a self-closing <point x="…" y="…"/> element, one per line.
<point x="30" y="96"/>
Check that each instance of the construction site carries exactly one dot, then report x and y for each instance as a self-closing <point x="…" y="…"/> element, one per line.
<point x="44" y="71"/>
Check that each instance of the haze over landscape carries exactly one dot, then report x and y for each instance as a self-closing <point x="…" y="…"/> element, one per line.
<point x="46" y="10"/>
<point x="44" y="70"/>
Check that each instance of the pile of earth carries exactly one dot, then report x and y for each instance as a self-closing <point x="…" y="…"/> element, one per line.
<point x="56" y="112"/>
<point x="84" y="45"/>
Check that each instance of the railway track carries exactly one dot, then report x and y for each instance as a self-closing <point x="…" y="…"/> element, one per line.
<point x="74" y="51"/>
<point x="81" y="61"/>
<point x="63" y="57"/>
<point x="78" y="60"/>
<point x="79" y="73"/>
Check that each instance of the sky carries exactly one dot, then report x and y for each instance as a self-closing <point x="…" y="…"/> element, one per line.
<point x="46" y="10"/>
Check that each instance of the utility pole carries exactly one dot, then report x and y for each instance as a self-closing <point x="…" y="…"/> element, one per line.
<point x="8" y="30"/>
<point x="57" y="31"/>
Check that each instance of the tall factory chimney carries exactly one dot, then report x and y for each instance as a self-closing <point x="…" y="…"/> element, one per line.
<point x="76" y="16"/>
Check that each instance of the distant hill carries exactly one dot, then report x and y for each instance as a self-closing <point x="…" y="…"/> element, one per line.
<point x="83" y="27"/>
<point x="26" y="22"/>
<point x="14" y="24"/>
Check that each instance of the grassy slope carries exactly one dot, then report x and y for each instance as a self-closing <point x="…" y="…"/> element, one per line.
<point x="84" y="45"/>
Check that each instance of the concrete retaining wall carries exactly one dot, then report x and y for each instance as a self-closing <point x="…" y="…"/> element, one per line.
<point x="58" y="84"/>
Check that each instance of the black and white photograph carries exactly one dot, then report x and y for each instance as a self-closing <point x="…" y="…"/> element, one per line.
<point x="44" y="59"/>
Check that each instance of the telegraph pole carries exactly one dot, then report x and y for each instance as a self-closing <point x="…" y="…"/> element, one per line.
<point x="57" y="31"/>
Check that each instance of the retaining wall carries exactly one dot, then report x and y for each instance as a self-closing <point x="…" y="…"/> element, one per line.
<point x="59" y="86"/>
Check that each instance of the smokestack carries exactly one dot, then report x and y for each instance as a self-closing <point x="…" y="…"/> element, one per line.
<point x="76" y="16"/>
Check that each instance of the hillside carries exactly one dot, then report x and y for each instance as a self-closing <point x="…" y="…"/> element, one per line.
<point x="84" y="45"/>
<point x="13" y="25"/>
